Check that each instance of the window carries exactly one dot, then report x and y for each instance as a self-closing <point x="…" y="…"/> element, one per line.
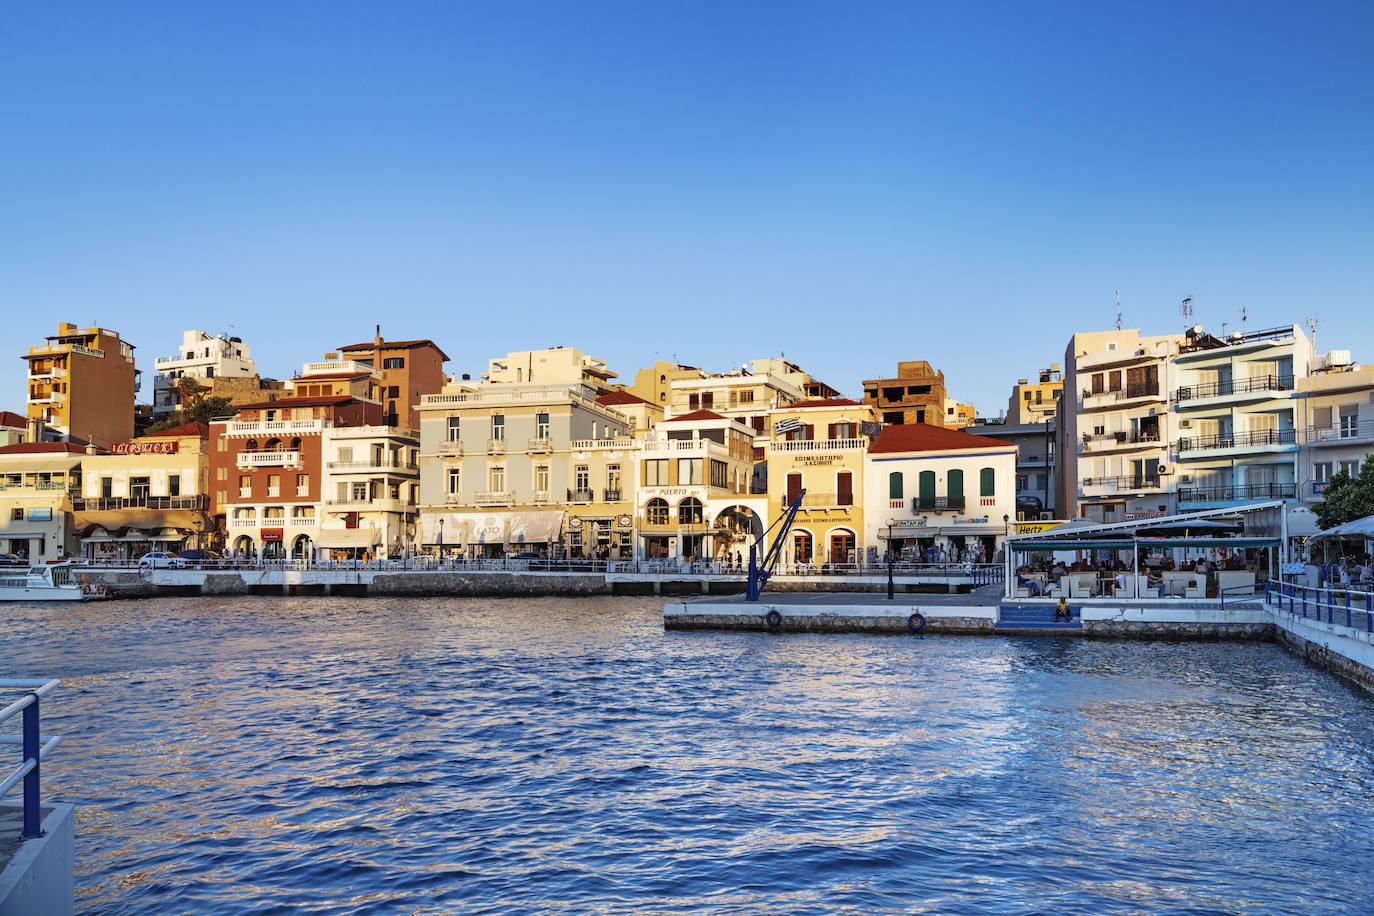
<point x="656" y="472"/>
<point x="455" y="482"/>
<point x="1039" y="396"/>
<point x="498" y="479"/>
<point x="693" y="401"/>
<point x="656" y="512"/>
<point x="1351" y="468"/>
<point x="1021" y="482"/>
<point x="393" y="391"/>
<point x="302" y="484"/>
<point x="1349" y="422"/>
<point x="173" y="484"/>
<point x="17" y="515"/>
<point x="582" y="477"/>
<point x="246" y="481"/>
<point x="1097" y="383"/>
<point x="794" y="487"/>
<point x="708" y="399"/>
<point x="688" y="472"/>
<point x="498" y="427"/>
<point x="1114" y="380"/>
<point x="1027" y="396"/>
<point x="221" y="473"/>
<point x="1321" y="418"/>
<point x="986" y="482"/>
<point x="746" y="397"/>
<point x="345" y="455"/>
<point x="720" y="474"/>
<point x="454" y="429"/>
<point x="541" y="426"/>
<point x="273" y="484"/>
<point x="360" y="492"/>
<point x="894" y="485"/>
<point x="843" y="430"/>
<point x="1321" y="471"/>
<point x="613" y="477"/>
<point x="394" y="362"/>
<point x="844" y="488"/>
<point x="894" y="418"/>
<point x="954" y="484"/>
<point x="541" y="478"/>
<point x="689" y="511"/>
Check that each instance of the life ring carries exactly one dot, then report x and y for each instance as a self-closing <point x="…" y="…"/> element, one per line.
<point x="773" y="618"/>
<point x="916" y="622"/>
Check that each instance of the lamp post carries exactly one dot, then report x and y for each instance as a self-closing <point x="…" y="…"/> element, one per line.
<point x="890" y="524"/>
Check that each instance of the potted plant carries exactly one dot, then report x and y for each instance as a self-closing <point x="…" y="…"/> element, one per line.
<point x="1212" y="589"/>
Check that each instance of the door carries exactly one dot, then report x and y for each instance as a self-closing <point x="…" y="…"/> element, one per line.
<point x="844" y="485"/>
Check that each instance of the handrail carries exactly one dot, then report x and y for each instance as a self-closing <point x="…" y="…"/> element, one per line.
<point x="1321" y="599"/>
<point x="34" y="748"/>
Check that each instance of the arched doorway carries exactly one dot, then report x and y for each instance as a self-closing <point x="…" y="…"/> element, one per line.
<point x="733" y="530"/>
<point x="300" y="547"/>
<point x="803" y="546"/>
<point x="841" y="546"/>
<point x="243" y="547"/>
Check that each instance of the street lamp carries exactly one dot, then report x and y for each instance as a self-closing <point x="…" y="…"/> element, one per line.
<point x="891" y="523"/>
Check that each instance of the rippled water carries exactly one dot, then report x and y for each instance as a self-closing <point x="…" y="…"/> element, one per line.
<point x="503" y="756"/>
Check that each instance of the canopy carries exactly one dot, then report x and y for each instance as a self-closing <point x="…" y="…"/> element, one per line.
<point x="1076" y="544"/>
<point x="1359" y="528"/>
<point x="347" y="537"/>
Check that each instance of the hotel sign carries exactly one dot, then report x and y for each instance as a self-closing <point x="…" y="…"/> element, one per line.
<point x="144" y="448"/>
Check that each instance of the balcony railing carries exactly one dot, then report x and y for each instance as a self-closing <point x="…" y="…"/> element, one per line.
<point x="1235" y="386"/>
<point x="936" y="503"/>
<point x="586" y="445"/>
<point x="368" y="465"/>
<point x="453" y="499"/>
<point x="541" y="498"/>
<point x="1254" y="438"/>
<point x="581" y="496"/>
<point x="1093" y="399"/>
<point x="660" y="446"/>
<point x="105" y="503"/>
<point x="301" y="521"/>
<point x="825" y="500"/>
<point x="1247" y="491"/>
<point x="539" y="444"/>
<point x="1335" y="435"/>
<point x="1125" y="482"/>
<point x="269" y="460"/>
<point x="245" y="492"/>
<point x="338" y="366"/>
<point x="449" y="448"/>
<point x="493" y="498"/>
<point x="496" y="446"/>
<point x="277" y="427"/>
<point x="249" y="522"/>
<point x="1099" y="442"/>
<point x="613" y="495"/>
<point x="818" y="445"/>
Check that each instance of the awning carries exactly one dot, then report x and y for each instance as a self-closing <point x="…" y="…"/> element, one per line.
<point x="1067" y="544"/>
<point x="535" y="527"/>
<point x="347" y="537"/>
<point x="41" y="465"/>
<point x="1359" y="528"/>
<point x="1209" y="542"/>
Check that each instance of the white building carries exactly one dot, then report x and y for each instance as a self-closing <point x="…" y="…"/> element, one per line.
<point x="371" y="481"/>
<point x="201" y="357"/>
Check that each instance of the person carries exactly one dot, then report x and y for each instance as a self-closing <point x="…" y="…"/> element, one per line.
<point x="1155" y="580"/>
<point x="1062" y="610"/>
<point x="1031" y="584"/>
<point x="1120" y="581"/>
<point x="21" y="554"/>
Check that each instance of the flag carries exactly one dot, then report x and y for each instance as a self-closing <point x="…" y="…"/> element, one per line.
<point x="789" y="425"/>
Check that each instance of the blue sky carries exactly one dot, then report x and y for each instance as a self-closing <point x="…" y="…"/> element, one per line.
<point x="851" y="184"/>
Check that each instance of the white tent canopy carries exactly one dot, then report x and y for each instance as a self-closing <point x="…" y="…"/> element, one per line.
<point x="1360" y="527"/>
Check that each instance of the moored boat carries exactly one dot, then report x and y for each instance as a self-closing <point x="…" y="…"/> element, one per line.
<point x="51" y="582"/>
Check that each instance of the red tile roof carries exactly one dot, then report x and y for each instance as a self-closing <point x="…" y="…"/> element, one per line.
<point x="327" y="376"/>
<point x="12" y="420"/>
<point x="922" y="437"/>
<point x="333" y="400"/>
<point x="822" y="402"/>
<point x="37" y="448"/>
<point x="185" y="429"/>
<point x="394" y="345"/>
<point x="697" y="415"/>
<point x="622" y="397"/>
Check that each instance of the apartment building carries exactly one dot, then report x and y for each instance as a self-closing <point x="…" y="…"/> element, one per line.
<point x="655" y="383"/>
<point x="931" y="489"/>
<point x="916" y="395"/>
<point x="958" y="415"/>
<point x="203" y="357"/>
<point x="1036" y="464"/>
<point x="37" y="482"/>
<point x="370" y="486"/>
<point x="150" y="493"/>
<point x="504" y="462"/>
<point x="821" y="446"/>
<point x="1035" y="402"/>
<point x="1335" y="412"/>
<point x="693" y="499"/>
<point x="82" y="384"/>
<point x="406" y="371"/>
<point x="1115" y="426"/>
<point x="743" y="395"/>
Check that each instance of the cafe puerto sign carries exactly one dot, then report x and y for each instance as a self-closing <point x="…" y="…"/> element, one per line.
<point x="144" y="448"/>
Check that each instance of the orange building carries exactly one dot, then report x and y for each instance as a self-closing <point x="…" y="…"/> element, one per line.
<point x="916" y="395"/>
<point x="82" y="383"/>
<point x="409" y="368"/>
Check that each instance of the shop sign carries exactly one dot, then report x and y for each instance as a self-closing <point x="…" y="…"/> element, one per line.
<point x="40" y="515"/>
<point x="971" y="521"/>
<point x="272" y="534"/>
<point x="1320" y="486"/>
<point x="817" y="460"/>
<point x="1141" y="516"/>
<point x="1035" y="527"/>
<point x="910" y="523"/>
<point x="673" y="492"/>
<point x="144" y="448"/>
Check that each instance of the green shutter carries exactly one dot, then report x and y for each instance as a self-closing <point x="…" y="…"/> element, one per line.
<point x="985" y="485"/>
<point x="955" y="485"/>
<point x="927" y="485"/>
<point x="894" y="485"/>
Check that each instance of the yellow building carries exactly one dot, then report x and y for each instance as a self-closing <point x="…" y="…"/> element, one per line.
<point x="655" y="384"/>
<point x="1035" y="402"/>
<point x="82" y="383"/>
<point x="819" y="446"/>
<point x="37" y="482"/>
<point x="957" y="415"/>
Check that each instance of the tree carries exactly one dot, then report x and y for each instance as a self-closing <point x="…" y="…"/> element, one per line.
<point x="1348" y="497"/>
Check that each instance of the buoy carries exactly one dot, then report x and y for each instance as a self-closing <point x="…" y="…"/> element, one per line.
<point x="916" y="622"/>
<point x="773" y="618"/>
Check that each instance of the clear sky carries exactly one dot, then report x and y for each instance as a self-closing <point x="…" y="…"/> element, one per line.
<point x="847" y="183"/>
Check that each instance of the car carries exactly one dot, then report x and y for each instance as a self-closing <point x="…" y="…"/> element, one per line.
<point x="523" y="556"/>
<point x="9" y="559"/>
<point x="199" y="556"/>
<point x="156" y="559"/>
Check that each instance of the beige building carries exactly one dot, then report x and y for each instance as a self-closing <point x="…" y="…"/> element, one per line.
<point x="82" y="383"/>
<point x="37" y="482"/>
<point x="820" y="446"/>
<point x="1034" y="402"/>
<point x="1336" y="416"/>
<point x="655" y="384"/>
<point x="370" y="484"/>
<point x="206" y="359"/>
<point x="958" y="415"/>
<point x="150" y="493"/>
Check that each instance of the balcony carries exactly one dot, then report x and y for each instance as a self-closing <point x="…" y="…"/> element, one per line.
<point x="303" y="490"/>
<point x="105" y="503"/>
<point x="450" y="449"/>
<point x="493" y="498"/>
<point x="245" y="492"/>
<point x="1107" y="442"/>
<point x="937" y="503"/>
<point x="825" y="500"/>
<point x="368" y="465"/>
<point x="587" y="445"/>
<point x="513" y="394"/>
<point x="818" y="445"/>
<point x="1253" y="439"/>
<point x="541" y="498"/>
<point x="613" y="495"/>
<point x="1235" y="494"/>
<point x="366" y="504"/>
<point x="338" y="367"/>
<point x="1103" y="486"/>
<point x="246" y="522"/>
<point x="453" y="499"/>
<point x="1227" y="387"/>
<point x="301" y="521"/>
<point x="274" y="427"/>
<point x="1346" y="434"/>
<point x="685" y="447"/>
<point x="539" y="445"/>
<point x="581" y="496"/>
<point x="1098" y="400"/>
<point x="496" y="446"/>
<point x="269" y="460"/>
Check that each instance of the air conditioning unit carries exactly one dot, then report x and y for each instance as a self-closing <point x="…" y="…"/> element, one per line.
<point x="1186" y="478"/>
<point x="1162" y="469"/>
<point x="1185" y="424"/>
<point x="1046" y="516"/>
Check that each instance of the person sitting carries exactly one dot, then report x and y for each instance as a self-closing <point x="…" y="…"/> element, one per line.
<point x="1061" y="610"/>
<point x="1030" y="584"/>
<point x="1154" y="579"/>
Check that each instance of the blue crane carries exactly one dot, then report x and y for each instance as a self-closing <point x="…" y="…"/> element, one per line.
<point x="759" y="572"/>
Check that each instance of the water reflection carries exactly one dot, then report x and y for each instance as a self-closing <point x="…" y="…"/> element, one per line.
<point x="498" y="756"/>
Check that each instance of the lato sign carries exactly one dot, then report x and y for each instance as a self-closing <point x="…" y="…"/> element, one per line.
<point x="144" y="448"/>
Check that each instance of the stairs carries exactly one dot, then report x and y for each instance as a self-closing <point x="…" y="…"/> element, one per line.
<point x="1034" y="617"/>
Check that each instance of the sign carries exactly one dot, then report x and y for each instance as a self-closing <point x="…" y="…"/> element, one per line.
<point x="1320" y="486"/>
<point x="671" y="492"/>
<point x="272" y="534"/>
<point x="40" y="515"/>
<point x="1141" y="516"/>
<point x="1035" y="527"/>
<point x="144" y="448"/>
<point x="817" y="459"/>
<point x="972" y="521"/>
<point x="910" y="523"/>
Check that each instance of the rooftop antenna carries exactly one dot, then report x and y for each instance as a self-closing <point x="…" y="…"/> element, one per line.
<point x="1312" y="322"/>
<point x="1187" y="313"/>
<point x="1118" y="310"/>
<point x="1243" y="316"/>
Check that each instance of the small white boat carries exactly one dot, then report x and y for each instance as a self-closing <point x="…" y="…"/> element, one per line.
<point x="52" y="582"/>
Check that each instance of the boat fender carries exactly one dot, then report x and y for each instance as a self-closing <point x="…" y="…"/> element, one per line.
<point x="916" y="622"/>
<point x="773" y="618"/>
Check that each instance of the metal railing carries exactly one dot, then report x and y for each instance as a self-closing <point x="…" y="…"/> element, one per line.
<point x="1238" y="440"/>
<point x="1126" y="482"/>
<point x="1248" y="491"/>
<point x="1235" y="386"/>
<point x="936" y="503"/>
<point x="34" y="748"/>
<point x="102" y="503"/>
<point x="1334" y="605"/>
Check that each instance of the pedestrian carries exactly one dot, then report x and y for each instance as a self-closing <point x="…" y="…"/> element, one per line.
<point x="1062" y="610"/>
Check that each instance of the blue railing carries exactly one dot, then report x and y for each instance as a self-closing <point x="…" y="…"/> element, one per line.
<point x="1250" y="590"/>
<point x="1336" y="606"/>
<point x="34" y="749"/>
<point x="989" y="574"/>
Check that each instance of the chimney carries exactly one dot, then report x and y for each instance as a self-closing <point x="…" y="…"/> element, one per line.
<point x="377" y="342"/>
<point x="92" y="450"/>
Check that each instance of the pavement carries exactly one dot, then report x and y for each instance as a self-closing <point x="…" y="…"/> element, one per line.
<point x="981" y="597"/>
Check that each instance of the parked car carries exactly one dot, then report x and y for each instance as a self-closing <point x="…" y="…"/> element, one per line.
<point x="156" y="559"/>
<point x="199" y="556"/>
<point x="9" y="559"/>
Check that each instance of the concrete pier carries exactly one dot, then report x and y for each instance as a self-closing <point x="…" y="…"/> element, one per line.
<point x="36" y="876"/>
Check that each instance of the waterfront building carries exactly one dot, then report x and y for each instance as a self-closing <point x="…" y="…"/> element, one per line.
<point x="1035" y="402"/>
<point x="743" y="394"/>
<point x="781" y="367"/>
<point x="504" y="462"/>
<point x="1234" y="405"/>
<point x="407" y="370"/>
<point x="371" y="482"/>
<point x="267" y="470"/>
<point x="930" y="490"/>
<point x="916" y="395"/>
<point x="821" y="446"/>
<point x="82" y="384"/>
<point x="1036" y="448"/>
<point x="693" y="499"/>
<point x="1336" y="415"/>
<point x="150" y="493"/>
<point x="1115" y="426"/>
<point x="37" y="482"/>
<point x="655" y="383"/>
<point x="202" y="357"/>
<point x="15" y="429"/>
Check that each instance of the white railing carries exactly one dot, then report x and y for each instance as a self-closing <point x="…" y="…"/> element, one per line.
<point x="245" y="492"/>
<point x="493" y="498"/>
<point x="541" y="498"/>
<point x="243" y="523"/>
<point x="274" y="491"/>
<point x="303" y="491"/>
<point x="539" y="444"/>
<point x="511" y="395"/>
<point x="336" y="366"/>
<point x="278" y="427"/>
<point x="369" y="465"/>
<point x="496" y="446"/>
<point x="270" y="460"/>
<point x="586" y="445"/>
<point x="819" y="445"/>
<point x="447" y="448"/>
<point x="667" y="446"/>
<point x="453" y="499"/>
<point x="302" y="521"/>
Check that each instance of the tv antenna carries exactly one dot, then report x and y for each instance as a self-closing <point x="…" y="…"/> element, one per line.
<point x="1312" y="322"/>
<point x="1243" y="316"/>
<point x="1118" y="310"/>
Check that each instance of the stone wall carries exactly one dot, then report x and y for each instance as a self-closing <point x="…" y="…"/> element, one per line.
<point x="489" y="585"/>
<point x="1326" y="658"/>
<point x="1159" y="629"/>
